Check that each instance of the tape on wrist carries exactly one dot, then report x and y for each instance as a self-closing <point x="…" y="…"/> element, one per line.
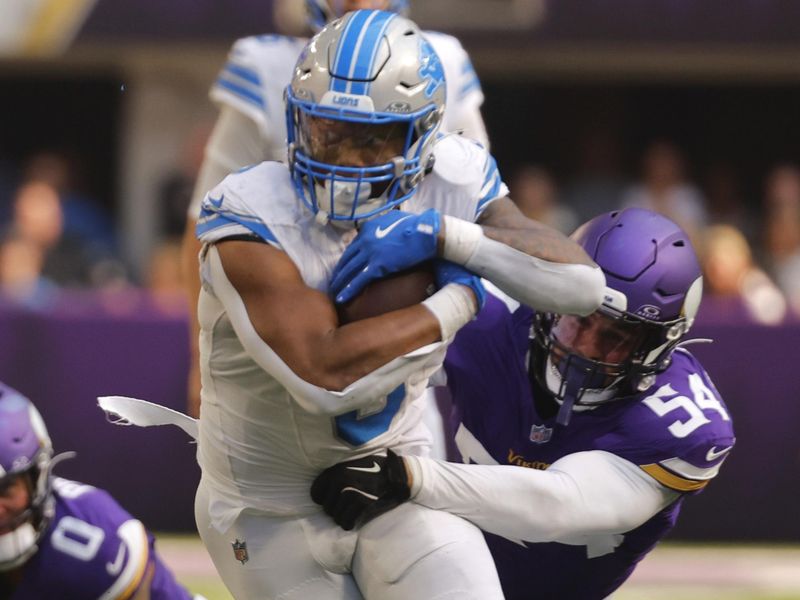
<point x="461" y="239"/>
<point x="453" y="306"/>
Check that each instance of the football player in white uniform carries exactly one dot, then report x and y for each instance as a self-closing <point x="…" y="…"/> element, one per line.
<point x="252" y="122"/>
<point x="371" y="188"/>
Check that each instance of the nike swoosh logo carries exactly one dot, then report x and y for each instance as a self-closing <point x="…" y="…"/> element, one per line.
<point x="712" y="455"/>
<point x="358" y="491"/>
<point x="382" y="233"/>
<point x="216" y="202"/>
<point x="375" y="468"/>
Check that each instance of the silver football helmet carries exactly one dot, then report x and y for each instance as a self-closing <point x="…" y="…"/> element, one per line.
<point x="363" y="108"/>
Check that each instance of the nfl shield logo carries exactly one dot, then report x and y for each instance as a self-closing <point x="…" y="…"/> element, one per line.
<point x="240" y="551"/>
<point x="541" y="434"/>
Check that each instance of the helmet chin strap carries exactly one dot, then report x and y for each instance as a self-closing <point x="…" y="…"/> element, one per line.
<point x="573" y="390"/>
<point x="570" y="397"/>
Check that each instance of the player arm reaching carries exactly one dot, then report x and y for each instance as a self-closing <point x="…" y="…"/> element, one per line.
<point x="586" y="493"/>
<point x="292" y="330"/>
<point x="626" y="462"/>
<point x="529" y="261"/>
<point x="533" y="263"/>
<point x="582" y="494"/>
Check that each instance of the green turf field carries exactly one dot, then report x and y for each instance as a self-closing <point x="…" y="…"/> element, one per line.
<point x="671" y="572"/>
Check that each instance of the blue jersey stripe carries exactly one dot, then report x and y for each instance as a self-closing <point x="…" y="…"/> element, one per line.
<point x="368" y="51"/>
<point x="248" y="75"/>
<point x="491" y="183"/>
<point x="468" y="87"/>
<point x="210" y="220"/>
<point x="242" y="92"/>
<point x="358" y="48"/>
<point x="489" y="196"/>
<point x="344" y="52"/>
<point x="490" y="168"/>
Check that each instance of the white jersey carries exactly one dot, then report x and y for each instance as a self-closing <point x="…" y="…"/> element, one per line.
<point x="258" y="447"/>
<point x="464" y="95"/>
<point x="253" y="82"/>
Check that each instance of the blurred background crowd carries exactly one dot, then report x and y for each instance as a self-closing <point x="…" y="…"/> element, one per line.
<point x="57" y="236"/>
<point x="102" y="129"/>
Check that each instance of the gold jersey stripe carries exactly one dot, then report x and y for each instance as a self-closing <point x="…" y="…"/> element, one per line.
<point x="143" y="562"/>
<point x="55" y="25"/>
<point x="671" y="480"/>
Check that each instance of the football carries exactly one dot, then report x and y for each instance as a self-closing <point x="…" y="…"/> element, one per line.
<point x="399" y="290"/>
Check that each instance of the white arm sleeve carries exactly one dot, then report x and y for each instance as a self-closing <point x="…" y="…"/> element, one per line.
<point x="362" y="393"/>
<point x="541" y="284"/>
<point x="582" y="494"/>
<point x="235" y="142"/>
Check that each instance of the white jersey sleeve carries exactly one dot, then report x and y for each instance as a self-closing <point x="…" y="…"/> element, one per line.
<point x="253" y="81"/>
<point x="464" y="94"/>
<point x="249" y="89"/>
<point x="581" y="494"/>
<point x="226" y="212"/>
<point x="234" y="143"/>
<point x="464" y="180"/>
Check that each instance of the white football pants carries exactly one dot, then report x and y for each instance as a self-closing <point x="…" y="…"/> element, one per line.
<point x="409" y="553"/>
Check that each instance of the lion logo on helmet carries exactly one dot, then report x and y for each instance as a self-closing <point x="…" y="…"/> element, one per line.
<point x="431" y="68"/>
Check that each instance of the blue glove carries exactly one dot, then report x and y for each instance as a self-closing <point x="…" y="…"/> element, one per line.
<point x="386" y="244"/>
<point x="450" y="272"/>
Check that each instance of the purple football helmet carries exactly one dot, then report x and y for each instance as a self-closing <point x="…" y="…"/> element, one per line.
<point x="653" y="290"/>
<point x="25" y="450"/>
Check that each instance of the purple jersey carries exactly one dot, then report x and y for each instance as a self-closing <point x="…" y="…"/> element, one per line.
<point x="93" y="549"/>
<point x="678" y="431"/>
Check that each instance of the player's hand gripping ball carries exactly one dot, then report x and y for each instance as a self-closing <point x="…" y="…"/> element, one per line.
<point x="389" y="243"/>
<point x="396" y="291"/>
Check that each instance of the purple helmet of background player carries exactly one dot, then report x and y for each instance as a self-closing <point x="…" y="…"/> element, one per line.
<point x="653" y="290"/>
<point x="26" y="451"/>
<point x="321" y="12"/>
